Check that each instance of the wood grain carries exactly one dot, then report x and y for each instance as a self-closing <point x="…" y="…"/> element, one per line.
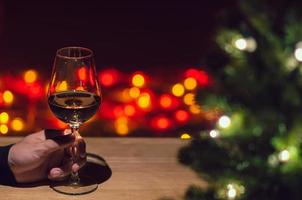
<point x="142" y="169"/>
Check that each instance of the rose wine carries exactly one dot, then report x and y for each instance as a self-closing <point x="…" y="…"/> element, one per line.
<point x="74" y="106"/>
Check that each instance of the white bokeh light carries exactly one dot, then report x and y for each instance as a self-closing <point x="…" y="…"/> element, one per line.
<point x="298" y="54"/>
<point x="284" y="155"/>
<point x="224" y="121"/>
<point x="214" y="133"/>
<point x="241" y="44"/>
<point x="231" y="193"/>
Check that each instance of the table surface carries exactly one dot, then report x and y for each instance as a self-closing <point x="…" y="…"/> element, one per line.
<point x="142" y="168"/>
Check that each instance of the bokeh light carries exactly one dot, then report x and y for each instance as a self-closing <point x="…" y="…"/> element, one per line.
<point x="4" y="117"/>
<point x="190" y="83"/>
<point x="109" y="77"/>
<point x="82" y="73"/>
<point x="129" y="110"/>
<point x="224" y="121"/>
<point x="3" y="129"/>
<point x="162" y="123"/>
<point x="195" y="109"/>
<point x="121" y="126"/>
<point x="17" y="124"/>
<point x="178" y="90"/>
<point x="189" y="99"/>
<point x="138" y="80"/>
<point x="185" y="136"/>
<point x="284" y="155"/>
<point x="214" y="133"/>
<point x="298" y="54"/>
<point x="165" y="101"/>
<point x="144" y="100"/>
<point x="30" y="76"/>
<point x="241" y="44"/>
<point x="8" y="97"/>
<point x="134" y="92"/>
<point x="181" y="115"/>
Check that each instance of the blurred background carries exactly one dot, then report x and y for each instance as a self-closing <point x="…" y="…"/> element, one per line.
<point x="148" y="55"/>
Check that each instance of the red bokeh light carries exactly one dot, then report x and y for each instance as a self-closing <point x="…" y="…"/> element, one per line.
<point x="201" y="76"/>
<point x="82" y="73"/>
<point x="109" y="77"/>
<point x="181" y="116"/>
<point x="168" y="101"/>
<point x="161" y="123"/>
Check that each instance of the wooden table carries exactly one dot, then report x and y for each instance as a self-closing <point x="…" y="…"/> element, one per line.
<point x="142" y="169"/>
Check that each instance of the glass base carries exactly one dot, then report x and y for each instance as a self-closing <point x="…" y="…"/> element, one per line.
<point x="85" y="186"/>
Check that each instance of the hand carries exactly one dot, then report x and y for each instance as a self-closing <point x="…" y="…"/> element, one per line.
<point x="46" y="154"/>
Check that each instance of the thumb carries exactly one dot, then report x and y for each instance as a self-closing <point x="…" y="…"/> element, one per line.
<point x="57" y="139"/>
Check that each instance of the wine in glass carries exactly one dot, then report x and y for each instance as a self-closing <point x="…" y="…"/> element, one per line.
<point x="74" y="96"/>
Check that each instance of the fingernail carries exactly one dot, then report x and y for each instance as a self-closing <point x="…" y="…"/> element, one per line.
<point x="57" y="173"/>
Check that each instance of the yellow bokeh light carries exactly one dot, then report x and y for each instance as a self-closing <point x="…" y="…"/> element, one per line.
<point x="62" y="86"/>
<point x="189" y="99"/>
<point x="30" y="76"/>
<point x="138" y="80"/>
<point x="17" y="124"/>
<point x="134" y="92"/>
<point x="178" y="90"/>
<point x="195" y="109"/>
<point x="3" y="129"/>
<point x="121" y="126"/>
<point x="144" y="100"/>
<point x="185" y="136"/>
<point x="8" y="97"/>
<point x="4" y="117"/>
<point x="190" y="83"/>
<point x="129" y="110"/>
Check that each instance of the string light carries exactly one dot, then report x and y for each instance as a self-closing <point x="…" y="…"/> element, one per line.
<point x="178" y="90"/>
<point x="181" y="115"/>
<point x="298" y="54"/>
<point x="108" y="77"/>
<point x="189" y="99"/>
<point x="190" y="83"/>
<point x="144" y="101"/>
<point x="165" y="101"/>
<point x="195" y="109"/>
<point x="224" y="121"/>
<point x="8" y="97"/>
<point x="30" y="76"/>
<point x="3" y="129"/>
<point x="129" y="110"/>
<point x="4" y="117"/>
<point x="231" y="191"/>
<point x="241" y="44"/>
<point x="138" y="80"/>
<point x="121" y="126"/>
<point x="284" y="155"/>
<point x="134" y="92"/>
<point x="214" y="133"/>
<point x="246" y="44"/>
<point x="185" y="136"/>
<point x="17" y="124"/>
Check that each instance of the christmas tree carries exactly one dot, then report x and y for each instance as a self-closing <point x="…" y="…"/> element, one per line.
<point x="254" y="148"/>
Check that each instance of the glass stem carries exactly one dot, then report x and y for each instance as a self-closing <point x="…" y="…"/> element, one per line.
<point x="74" y="176"/>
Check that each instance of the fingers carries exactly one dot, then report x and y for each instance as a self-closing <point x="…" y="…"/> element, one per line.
<point x="74" y="159"/>
<point x="57" y="139"/>
<point x="59" y="173"/>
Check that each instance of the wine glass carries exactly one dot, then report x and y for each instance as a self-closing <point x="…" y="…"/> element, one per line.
<point x="74" y="96"/>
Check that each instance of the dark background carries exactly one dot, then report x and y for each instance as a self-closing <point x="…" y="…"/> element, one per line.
<point x="126" y="35"/>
